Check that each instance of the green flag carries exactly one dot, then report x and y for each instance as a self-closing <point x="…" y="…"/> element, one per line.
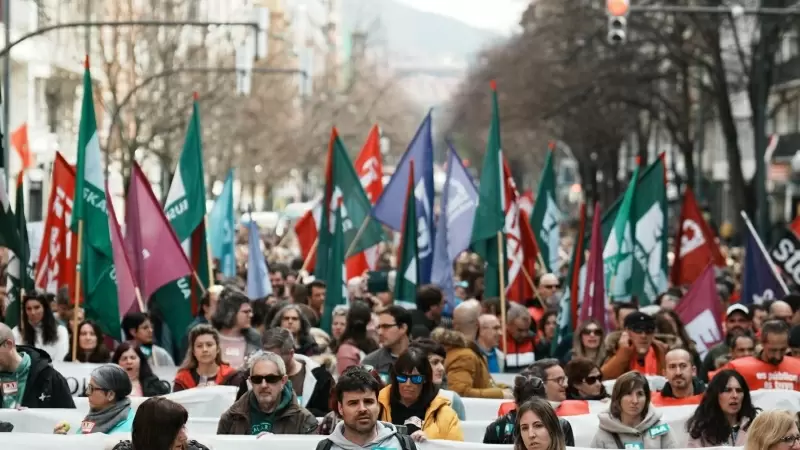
<point x="618" y="250"/>
<point x="649" y="213"/>
<point x="336" y="293"/>
<point x="546" y="217"/>
<point x="14" y="232"/>
<point x="405" y="287"/>
<point x="90" y="221"/>
<point x="186" y="210"/>
<point x="343" y="187"/>
<point x="490" y="213"/>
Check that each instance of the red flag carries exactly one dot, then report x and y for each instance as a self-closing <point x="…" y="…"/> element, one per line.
<point x="59" y="249"/>
<point x="369" y="165"/>
<point x="795" y="226"/>
<point x="520" y="252"/>
<point x="526" y="202"/>
<point x="155" y="254"/>
<point x="700" y="310"/>
<point x="576" y="263"/>
<point x="126" y="284"/>
<point x="19" y="140"/>
<point x="594" y="295"/>
<point x="695" y="246"/>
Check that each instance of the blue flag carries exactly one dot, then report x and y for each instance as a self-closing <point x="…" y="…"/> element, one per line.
<point x="459" y="201"/>
<point x="221" y="229"/>
<point x="388" y="208"/>
<point x="258" y="284"/>
<point x="761" y="282"/>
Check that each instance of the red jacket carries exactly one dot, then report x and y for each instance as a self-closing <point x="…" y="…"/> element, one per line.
<point x="185" y="379"/>
<point x="519" y="355"/>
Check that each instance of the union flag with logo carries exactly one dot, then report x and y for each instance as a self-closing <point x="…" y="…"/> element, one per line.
<point x="695" y="246"/>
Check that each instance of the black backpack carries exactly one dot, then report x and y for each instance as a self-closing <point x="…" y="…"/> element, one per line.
<point x="405" y="443"/>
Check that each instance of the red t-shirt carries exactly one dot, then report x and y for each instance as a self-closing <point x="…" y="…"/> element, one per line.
<point x="762" y="375"/>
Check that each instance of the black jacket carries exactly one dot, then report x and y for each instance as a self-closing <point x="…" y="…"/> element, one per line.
<point x="153" y="387"/>
<point x="46" y="387"/>
<point x="421" y="325"/>
<point x="697" y="385"/>
<point x="501" y="431"/>
<point x="190" y="445"/>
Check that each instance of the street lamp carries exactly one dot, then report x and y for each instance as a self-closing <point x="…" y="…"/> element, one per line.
<point x="789" y="212"/>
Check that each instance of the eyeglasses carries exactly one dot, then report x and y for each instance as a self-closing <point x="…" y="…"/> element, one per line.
<point x="415" y="379"/>
<point x="593" y="380"/>
<point x="592" y="332"/>
<point x="646" y="330"/>
<point x="559" y="380"/>
<point x="385" y="326"/>
<point x="270" y="379"/>
<point x="90" y="389"/>
<point x="291" y="318"/>
<point x="550" y="286"/>
<point x="791" y="440"/>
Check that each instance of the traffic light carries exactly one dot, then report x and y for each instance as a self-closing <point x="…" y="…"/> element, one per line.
<point x="617" y="11"/>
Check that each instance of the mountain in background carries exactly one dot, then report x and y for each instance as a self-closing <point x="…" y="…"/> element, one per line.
<point x="410" y="33"/>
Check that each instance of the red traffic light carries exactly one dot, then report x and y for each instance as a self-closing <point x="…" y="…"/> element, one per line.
<point x="618" y="8"/>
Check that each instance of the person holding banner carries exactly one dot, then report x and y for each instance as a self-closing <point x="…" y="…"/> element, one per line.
<point x="724" y="414"/>
<point x="109" y="405"/>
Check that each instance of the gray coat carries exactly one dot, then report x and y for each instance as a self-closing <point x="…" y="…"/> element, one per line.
<point x="651" y="433"/>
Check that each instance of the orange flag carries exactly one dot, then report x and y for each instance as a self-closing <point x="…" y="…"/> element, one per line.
<point x="19" y="139"/>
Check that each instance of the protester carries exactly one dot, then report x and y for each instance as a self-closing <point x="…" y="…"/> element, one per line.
<point x="621" y="311"/>
<point x="537" y="427"/>
<point x="91" y="345"/>
<point x="555" y="383"/>
<point x="773" y="430"/>
<point x="412" y="400"/>
<point x="465" y="318"/>
<point x="466" y="368"/>
<point x="780" y="310"/>
<point x="329" y="422"/>
<point x="139" y="329"/>
<point x="394" y="333"/>
<point x="270" y="407"/>
<point x="520" y="341"/>
<point x="40" y="328"/>
<point x="109" y="405"/>
<point x="668" y="321"/>
<point x="160" y="424"/>
<point x="772" y="369"/>
<point x="357" y="400"/>
<point x="488" y="341"/>
<point x="683" y="387"/>
<point x="632" y="422"/>
<point x="741" y="343"/>
<point x="316" y="299"/>
<point x="436" y="355"/>
<point x="233" y="319"/>
<point x="355" y="344"/>
<point x="590" y="343"/>
<point x="428" y="313"/>
<point x="338" y="321"/>
<point x="636" y="349"/>
<point x="203" y="365"/>
<point x="310" y="382"/>
<point x="526" y="388"/>
<point x="27" y="378"/>
<point x="145" y="383"/>
<point x="737" y="317"/>
<point x="584" y="380"/>
<point x="725" y="413"/>
<point x="547" y="331"/>
<point x="291" y="317"/>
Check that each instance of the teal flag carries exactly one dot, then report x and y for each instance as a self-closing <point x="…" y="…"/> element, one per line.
<point x="222" y="226"/>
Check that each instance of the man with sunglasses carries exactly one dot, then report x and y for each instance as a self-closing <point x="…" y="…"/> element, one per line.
<point x="637" y="349"/>
<point x="27" y="378"/>
<point x="683" y="387"/>
<point x="270" y="407"/>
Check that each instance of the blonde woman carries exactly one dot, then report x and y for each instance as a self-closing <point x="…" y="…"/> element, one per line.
<point x="588" y="343"/>
<point x="773" y="430"/>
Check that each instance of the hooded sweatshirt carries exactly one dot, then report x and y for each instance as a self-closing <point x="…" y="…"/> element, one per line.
<point x="386" y="439"/>
<point x="651" y="433"/>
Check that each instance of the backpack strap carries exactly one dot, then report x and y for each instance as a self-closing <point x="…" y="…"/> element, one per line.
<point x="616" y="437"/>
<point x="324" y="444"/>
<point x="406" y="443"/>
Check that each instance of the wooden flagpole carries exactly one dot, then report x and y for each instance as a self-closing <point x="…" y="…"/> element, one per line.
<point x="77" y="292"/>
<point x="501" y="270"/>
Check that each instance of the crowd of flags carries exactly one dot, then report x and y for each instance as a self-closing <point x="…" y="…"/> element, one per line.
<point x="162" y="259"/>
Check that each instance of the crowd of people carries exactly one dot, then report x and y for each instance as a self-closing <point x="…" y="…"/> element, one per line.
<point x="390" y="377"/>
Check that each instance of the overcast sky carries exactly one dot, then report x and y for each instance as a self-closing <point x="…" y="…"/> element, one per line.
<point x="502" y="16"/>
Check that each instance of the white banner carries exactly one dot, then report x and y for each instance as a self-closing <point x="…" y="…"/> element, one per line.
<point x="77" y="374"/>
<point x="22" y="441"/>
<point x="206" y="405"/>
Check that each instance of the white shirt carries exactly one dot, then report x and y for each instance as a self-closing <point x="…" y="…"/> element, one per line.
<point x="57" y="350"/>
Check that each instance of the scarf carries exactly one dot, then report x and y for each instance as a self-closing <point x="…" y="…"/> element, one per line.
<point x="650" y="366"/>
<point x="104" y="420"/>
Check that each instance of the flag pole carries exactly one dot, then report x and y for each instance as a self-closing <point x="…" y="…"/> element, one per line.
<point x="77" y="292"/>
<point x="501" y="270"/>
<point x="764" y="252"/>
<point x="21" y="304"/>
<point x="358" y="237"/>
<point x="139" y="298"/>
<point x="208" y="257"/>
<point x="310" y="255"/>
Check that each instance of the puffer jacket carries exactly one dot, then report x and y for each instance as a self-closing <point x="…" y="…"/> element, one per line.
<point x="466" y="368"/>
<point x="190" y="445"/>
<point x="651" y="433"/>
<point x="440" y="422"/>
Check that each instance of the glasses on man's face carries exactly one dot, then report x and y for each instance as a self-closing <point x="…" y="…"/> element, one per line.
<point x="593" y="379"/>
<point x="415" y="379"/>
<point x="558" y="380"/>
<point x="592" y="332"/>
<point x="270" y="379"/>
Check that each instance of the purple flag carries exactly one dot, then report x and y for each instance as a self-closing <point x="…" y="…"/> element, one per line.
<point x="701" y="312"/>
<point x="594" y="295"/>
<point x="126" y="284"/>
<point x="156" y="255"/>
<point x="760" y="281"/>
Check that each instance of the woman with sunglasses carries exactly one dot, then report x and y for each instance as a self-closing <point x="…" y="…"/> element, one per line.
<point x="590" y="343"/>
<point x="725" y="413"/>
<point x="412" y="400"/>
<point x="584" y="380"/>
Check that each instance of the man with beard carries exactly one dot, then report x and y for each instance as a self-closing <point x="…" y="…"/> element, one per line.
<point x="270" y="407"/>
<point x="772" y="369"/>
<point x="682" y="387"/>
<point x="737" y="317"/>
<point x="357" y="404"/>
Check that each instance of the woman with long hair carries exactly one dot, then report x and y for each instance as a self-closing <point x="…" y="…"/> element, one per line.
<point x="773" y="430"/>
<point x="91" y="345"/>
<point x="584" y="380"/>
<point x="203" y="365"/>
<point x="160" y="424"/>
<point x="338" y="322"/>
<point x="724" y="415"/>
<point x="143" y="381"/>
<point x="354" y="343"/>
<point x="233" y="318"/>
<point x="537" y="427"/>
<point x="291" y="317"/>
<point x="40" y="328"/>
<point x="547" y="329"/>
<point x="590" y="343"/>
<point x="412" y="400"/>
<point x="631" y="421"/>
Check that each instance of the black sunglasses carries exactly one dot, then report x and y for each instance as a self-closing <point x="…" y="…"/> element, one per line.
<point x="593" y="380"/>
<point x="270" y="379"/>
<point x="594" y="332"/>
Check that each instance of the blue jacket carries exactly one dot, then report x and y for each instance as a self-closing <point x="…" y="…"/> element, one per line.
<point x="124" y="426"/>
